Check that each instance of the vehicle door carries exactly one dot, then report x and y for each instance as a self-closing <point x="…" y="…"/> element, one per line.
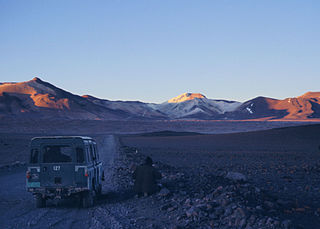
<point x="98" y="164"/>
<point x="57" y="165"/>
<point x="90" y="163"/>
<point x="82" y="159"/>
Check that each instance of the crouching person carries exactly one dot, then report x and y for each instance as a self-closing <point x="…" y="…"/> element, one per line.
<point x="146" y="177"/>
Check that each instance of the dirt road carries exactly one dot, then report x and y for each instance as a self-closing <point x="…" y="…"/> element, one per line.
<point x="17" y="207"/>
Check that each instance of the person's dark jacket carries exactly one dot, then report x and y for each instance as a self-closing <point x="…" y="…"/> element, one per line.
<point x="146" y="177"/>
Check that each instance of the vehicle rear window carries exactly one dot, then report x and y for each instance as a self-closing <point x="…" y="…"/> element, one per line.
<point x="34" y="156"/>
<point x="80" y="155"/>
<point x="57" y="153"/>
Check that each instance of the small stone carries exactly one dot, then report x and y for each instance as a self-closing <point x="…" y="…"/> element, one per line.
<point x="286" y="224"/>
<point x="241" y="212"/>
<point x="224" y="202"/>
<point x="217" y="191"/>
<point x="191" y="212"/>
<point x="188" y="201"/>
<point x="285" y="203"/>
<point x="213" y="216"/>
<point x="181" y="185"/>
<point x="227" y="212"/>
<point x="164" y="192"/>
<point x="243" y="223"/>
<point x="219" y="211"/>
<point x="235" y="176"/>
<point x="269" y="221"/>
<point x="209" y="208"/>
<point x="165" y="207"/>
<point x="269" y="204"/>
<point x="276" y="223"/>
<point x="251" y="220"/>
<point x="172" y="208"/>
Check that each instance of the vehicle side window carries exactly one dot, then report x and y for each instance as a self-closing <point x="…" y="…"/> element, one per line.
<point x="80" y="155"/>
<point x="93" y="152"/>
<point x="89" y="157"/>
<point x="96" y="150"/>
<point x="34" y="156"/>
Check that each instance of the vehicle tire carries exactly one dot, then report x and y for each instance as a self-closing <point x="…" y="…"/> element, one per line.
<point x="99" y="190"/>
<point x="87" y="199"/>
<point x="40" y="201"/>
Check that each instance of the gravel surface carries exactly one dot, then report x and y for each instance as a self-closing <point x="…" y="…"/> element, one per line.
<point x="202" y="187"/>
<point x="284" y="164"/>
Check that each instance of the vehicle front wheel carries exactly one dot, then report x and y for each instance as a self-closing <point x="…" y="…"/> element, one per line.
<point x="87" y="199"/>
<point x="40" y="201"/>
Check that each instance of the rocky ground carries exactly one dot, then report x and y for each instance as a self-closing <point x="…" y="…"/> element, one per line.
<point x="280" y="185"/>
<point x="197" y="199"/>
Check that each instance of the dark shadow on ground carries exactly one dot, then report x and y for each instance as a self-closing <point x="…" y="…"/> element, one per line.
<point x="104" y="198"/>
<point x="115" y="197"/>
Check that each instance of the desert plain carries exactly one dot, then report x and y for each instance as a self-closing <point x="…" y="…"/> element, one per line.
<point x="215" y="175"/>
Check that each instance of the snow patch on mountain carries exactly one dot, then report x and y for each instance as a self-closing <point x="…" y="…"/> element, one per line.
<point x="249" y="110"/>
<point x="191" y="104"/>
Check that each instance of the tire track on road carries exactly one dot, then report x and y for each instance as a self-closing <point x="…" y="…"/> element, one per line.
<point x="110" y="215"/>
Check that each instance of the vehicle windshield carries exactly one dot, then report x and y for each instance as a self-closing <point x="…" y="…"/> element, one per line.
<point x="57" y="153"/>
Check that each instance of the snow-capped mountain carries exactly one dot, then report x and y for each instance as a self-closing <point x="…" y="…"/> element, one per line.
<point x="195" y="105"/>
<point x="39" y="99"/>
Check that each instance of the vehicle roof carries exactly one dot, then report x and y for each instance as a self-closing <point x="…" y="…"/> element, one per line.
<point x="63" y="137"/>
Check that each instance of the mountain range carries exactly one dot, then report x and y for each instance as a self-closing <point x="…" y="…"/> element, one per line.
<point x="40" y="99"/>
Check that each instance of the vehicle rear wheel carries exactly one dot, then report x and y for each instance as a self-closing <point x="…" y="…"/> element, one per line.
<point x="40" y="201"/>
<point x="99" y="190"/>
<point x="87" y="199"/>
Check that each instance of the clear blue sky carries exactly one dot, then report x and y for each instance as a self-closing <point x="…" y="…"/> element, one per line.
<point x="156" y="49"/>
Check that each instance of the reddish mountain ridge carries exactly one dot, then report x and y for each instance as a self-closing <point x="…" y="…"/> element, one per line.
<point x="305" y="107"/>
<point x="39" y="99"/>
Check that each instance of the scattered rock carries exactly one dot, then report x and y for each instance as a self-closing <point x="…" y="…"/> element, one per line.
<point x="211" y="201"/>
<point x="235" y="176"/>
